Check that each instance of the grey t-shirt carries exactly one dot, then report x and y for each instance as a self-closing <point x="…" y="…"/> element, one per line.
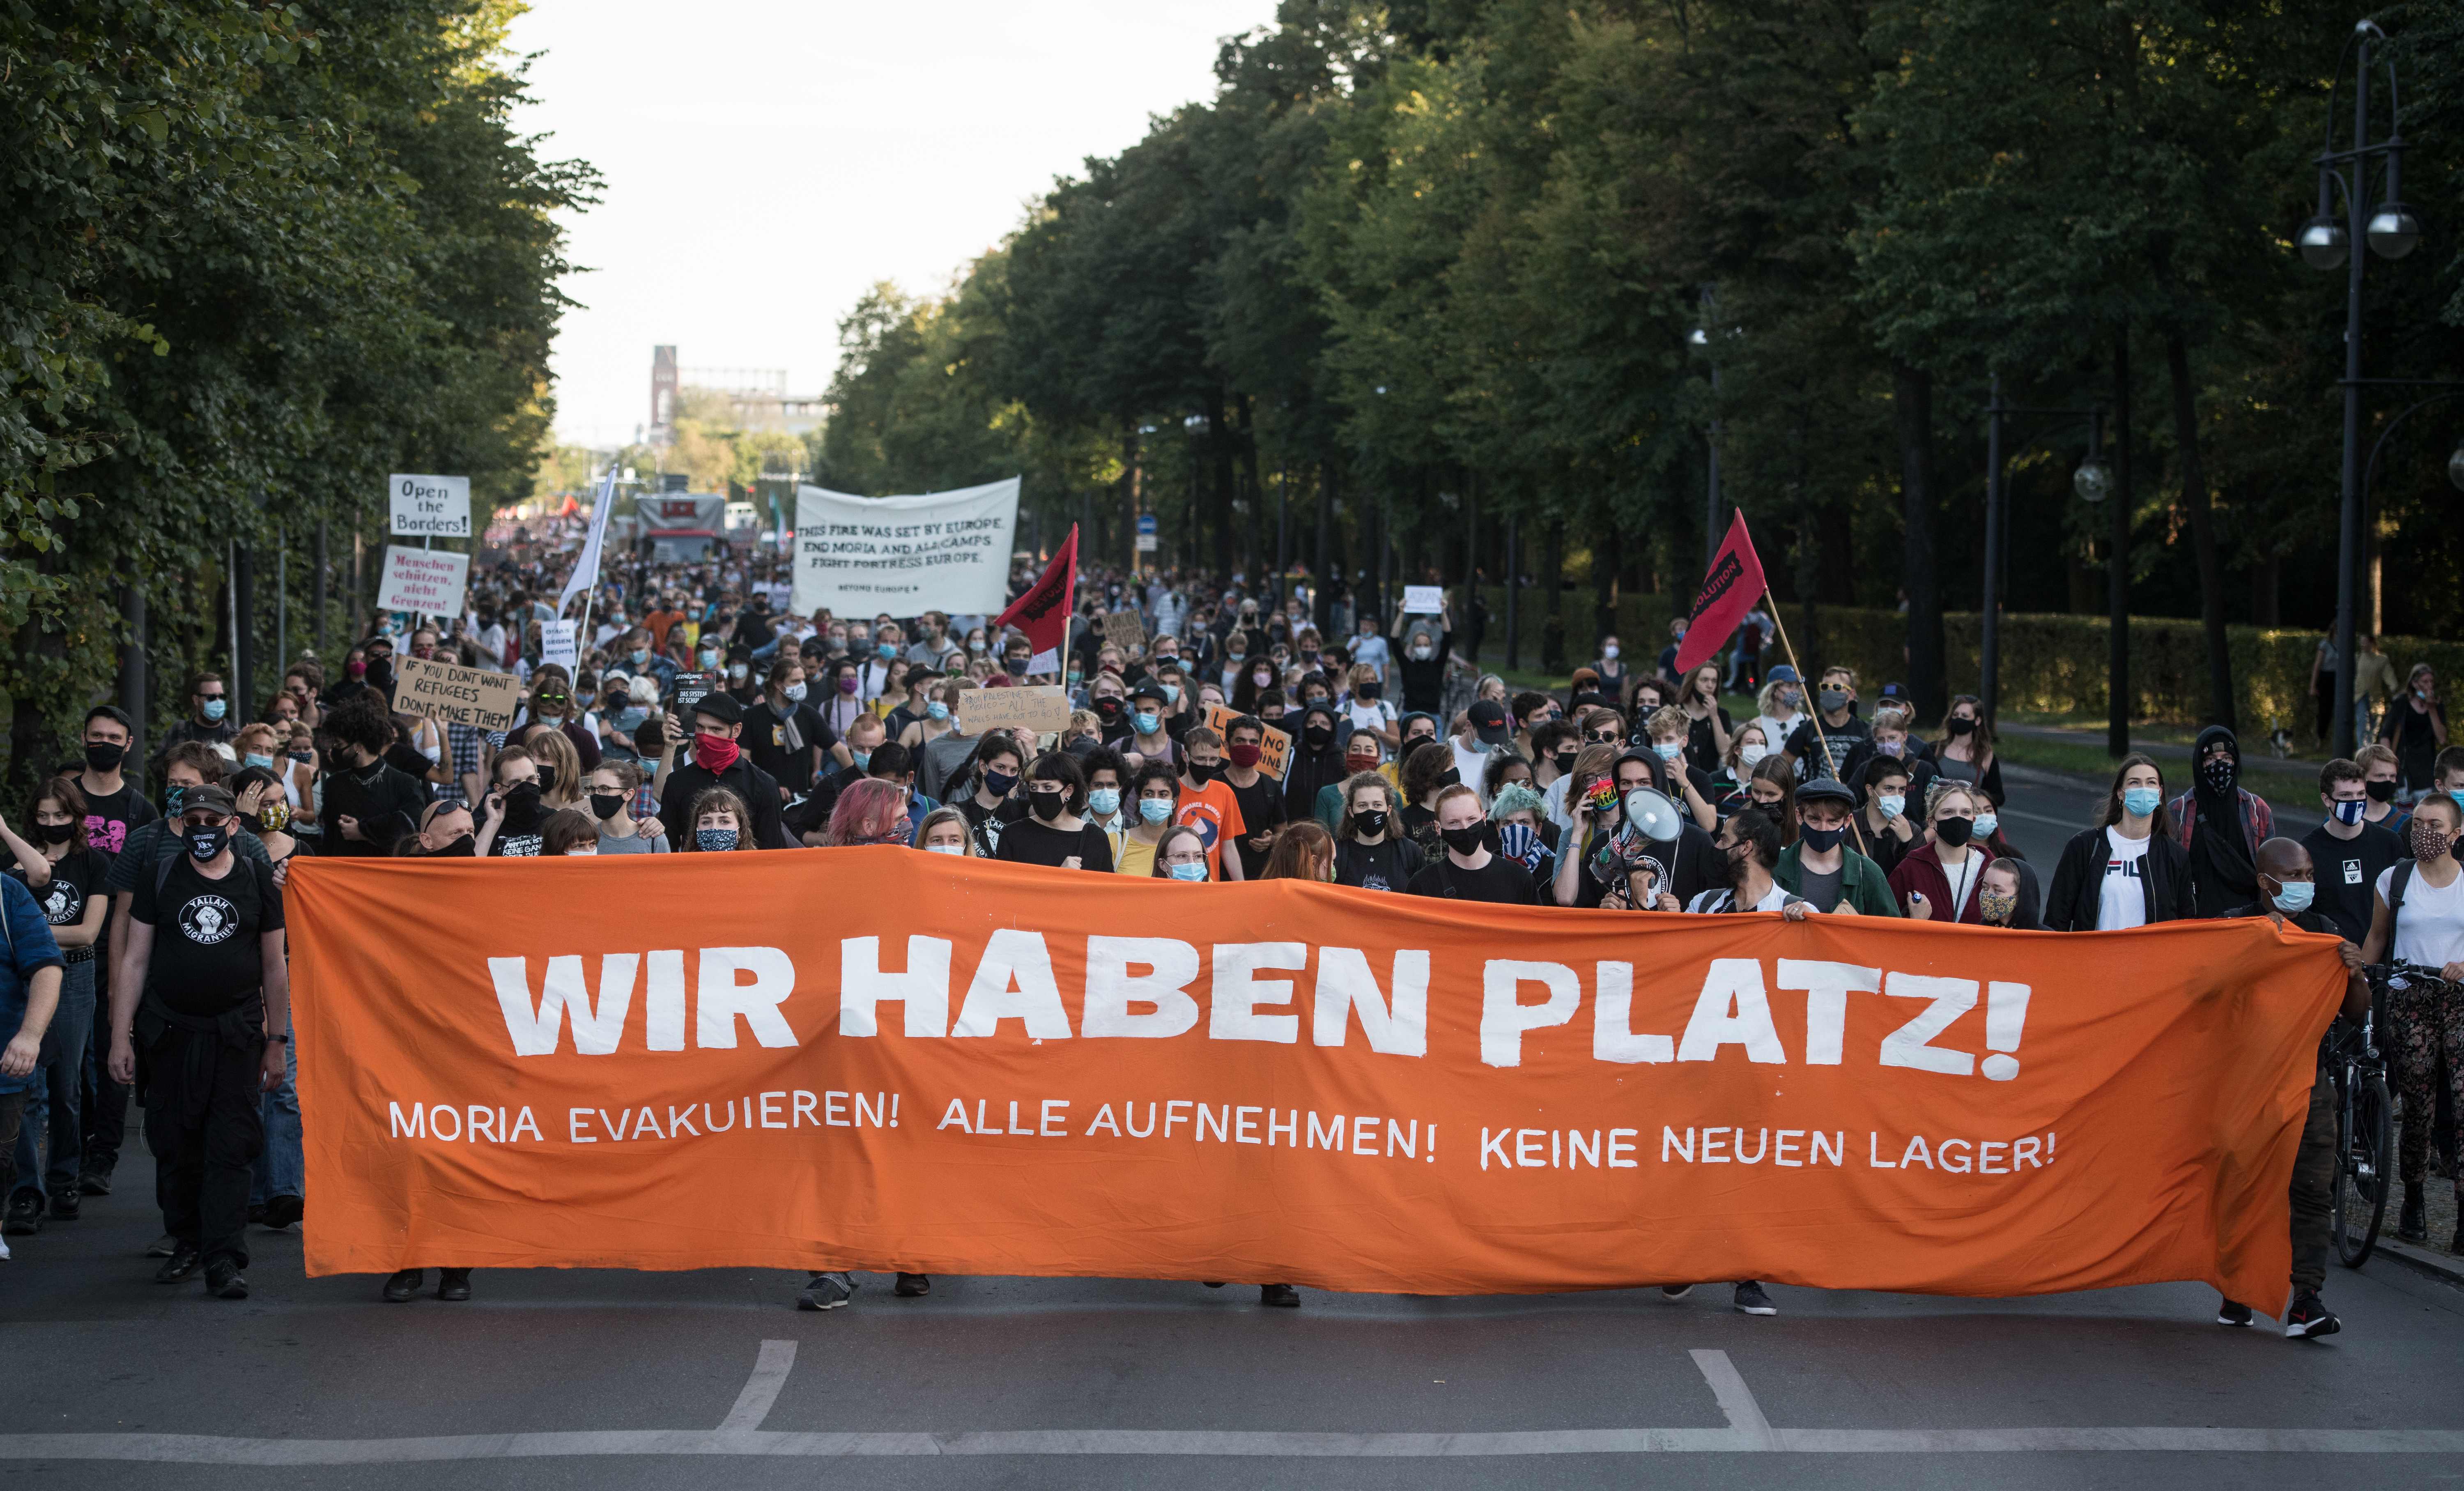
<point x="636" y="842"/>
<point x="1823" y="890"/>
<point x="942" y="757"/>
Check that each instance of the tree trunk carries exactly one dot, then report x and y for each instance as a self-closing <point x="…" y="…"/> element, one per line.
<point x="1254" y="560"/>
<point x="1319" y="570"/>
<point x="1912" y="410"/>
<point x="1552" y="594"/>
<point x="2203" y="531"/>
<point x="2117" y="561"/>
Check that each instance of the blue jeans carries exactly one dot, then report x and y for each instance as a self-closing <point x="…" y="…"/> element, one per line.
<point x="53" y="1092"/>
<point x="281" y="1168"/>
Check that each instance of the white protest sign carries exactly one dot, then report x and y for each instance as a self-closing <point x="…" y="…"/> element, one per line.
<point x="556" y="644"/>
<point x="426" y="581"/>
<point x="906" y="555"/>
<point x="436" y="507"/>
<point x="1424" y="600"/>
<point x="1044" y="708"/>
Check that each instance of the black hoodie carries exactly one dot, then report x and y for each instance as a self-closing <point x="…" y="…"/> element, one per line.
<point x="2224" y="872"/>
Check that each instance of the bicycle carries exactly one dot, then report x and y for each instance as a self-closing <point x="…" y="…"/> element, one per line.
<point x="2364" y="1126"/>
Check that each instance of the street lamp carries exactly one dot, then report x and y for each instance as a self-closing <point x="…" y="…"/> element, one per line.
<point x="2093" y="481"/>
<point x="2456" y="465"/>
<point x="2391" y="231"/>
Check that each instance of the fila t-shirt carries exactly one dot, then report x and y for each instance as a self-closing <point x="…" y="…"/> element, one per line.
<point x="2123" y="901"/>
<point x="207" y="958"/>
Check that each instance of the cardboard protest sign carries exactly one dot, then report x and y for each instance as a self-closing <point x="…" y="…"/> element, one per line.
<point x="1424" y="600"/>
<point x="977" y="1067"/>
<point x="1042" y="708"/>
<point x="1125" y="630"/>
<point x="1275" y="751"/>
<point x="450" y="693"/>
<point x="428" y="582"/>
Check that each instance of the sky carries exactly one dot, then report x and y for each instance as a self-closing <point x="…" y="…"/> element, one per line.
<point x="767" y="161"/>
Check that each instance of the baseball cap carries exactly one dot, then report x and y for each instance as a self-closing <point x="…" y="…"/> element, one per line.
<point x="1488" y="718"/>
<point x="1783" y="673"/>
<point x="212" y="798"/>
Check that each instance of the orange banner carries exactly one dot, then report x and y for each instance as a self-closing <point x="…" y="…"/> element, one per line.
<point x="883" y="1059"/>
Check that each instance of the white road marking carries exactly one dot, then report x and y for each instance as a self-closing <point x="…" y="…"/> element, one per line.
<point x="1749" y="1431"/>
<point x="770" y="1372"/>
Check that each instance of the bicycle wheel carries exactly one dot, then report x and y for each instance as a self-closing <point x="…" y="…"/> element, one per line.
<point x="2365" y="1139"/>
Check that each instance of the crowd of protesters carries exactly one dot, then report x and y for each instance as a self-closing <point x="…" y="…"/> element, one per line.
<point x="143" y="907"/>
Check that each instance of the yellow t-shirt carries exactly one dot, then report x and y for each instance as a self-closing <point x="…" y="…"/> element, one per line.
<point x="1132" y="857"/>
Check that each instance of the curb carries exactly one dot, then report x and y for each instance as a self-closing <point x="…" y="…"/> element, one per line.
<point x="2445" y="1267"/>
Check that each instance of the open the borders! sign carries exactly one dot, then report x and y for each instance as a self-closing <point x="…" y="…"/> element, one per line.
<point x="973" y="1067"/>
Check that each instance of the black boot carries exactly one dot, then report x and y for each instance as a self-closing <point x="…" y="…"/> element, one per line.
<point x="2412" y="1222"/>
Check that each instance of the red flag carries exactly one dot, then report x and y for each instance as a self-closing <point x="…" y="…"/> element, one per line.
<point x="1734" y="584"/>
<point x="1042" y="613"/>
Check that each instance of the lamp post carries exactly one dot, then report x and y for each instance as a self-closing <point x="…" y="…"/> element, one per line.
<point x="2327" y="244"/>
<point x="1701" y="338"/>
<point x="2093" y="481"/>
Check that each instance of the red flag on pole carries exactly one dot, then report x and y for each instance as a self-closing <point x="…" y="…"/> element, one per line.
<point x="1734" y="584"/>
<point x="1042" y="613"/>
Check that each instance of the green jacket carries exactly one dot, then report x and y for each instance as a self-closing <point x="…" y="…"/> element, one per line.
<point x="1861" y="881"/>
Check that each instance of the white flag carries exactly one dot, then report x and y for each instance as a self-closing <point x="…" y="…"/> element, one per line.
<point x="585" y="570"/>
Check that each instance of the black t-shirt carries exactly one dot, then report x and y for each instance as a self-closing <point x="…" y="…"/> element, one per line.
<point x="1262" y="808"/>
<point x="1844" y="739"/>
<point x="1502" y="880"/>
<point x="1387" y="865"/>
<point x="111" y="816"/>
<point x="1702" y="746"/>
<point x="1029" y="841"/>
<point x="2348" y="873"/>
<point x="76" y="876"/>
<point x="207" y="958"/>
<point x="987" y="825"/>
<point x="766" y="736"/>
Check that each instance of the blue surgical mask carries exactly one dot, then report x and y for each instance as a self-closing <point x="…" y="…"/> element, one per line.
<point x="253" y="759"/>
<point x="1668" y="750"/>
<point x="640" y="655"/>
<point x="715" y="840"/>
<point x="1188" y="872"/>
<point x="936" y="711"/>
<point x="1106" y="801"/>
<point x="1155" y="810"/>
<point x="862" y="758"/>
<point x="2349" y="813"/>
<point x="945" y="849"/>
<point x="2141" y="801"/>
<point x="1892" y="804"/>
<point x="1170" y="693"/>
<point x="1146" y="720"/>
<point x="1985" y="824"/>
<point x="2296" y="896"/>
<point x="217" y="708"/>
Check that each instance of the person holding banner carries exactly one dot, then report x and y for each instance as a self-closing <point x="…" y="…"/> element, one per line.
<point x="1466" y="870"/>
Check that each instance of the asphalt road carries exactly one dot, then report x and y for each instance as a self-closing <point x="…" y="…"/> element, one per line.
<point x="593" y="1378"/>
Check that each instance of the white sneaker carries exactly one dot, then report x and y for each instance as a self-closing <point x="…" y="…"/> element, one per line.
<point x="3" y="1250"/>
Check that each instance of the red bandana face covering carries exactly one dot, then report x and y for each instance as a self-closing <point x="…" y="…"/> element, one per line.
<point x="715" y="753"/>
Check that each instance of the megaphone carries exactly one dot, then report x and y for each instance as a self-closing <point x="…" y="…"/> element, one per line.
<point x="1654" y="815"/>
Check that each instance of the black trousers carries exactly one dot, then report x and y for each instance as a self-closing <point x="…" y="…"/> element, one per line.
<point x="206" y="1126"/>
<point x="103" y="1103"/>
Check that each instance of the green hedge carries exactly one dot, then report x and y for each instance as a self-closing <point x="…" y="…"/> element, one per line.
<point x="2051" y="664"/>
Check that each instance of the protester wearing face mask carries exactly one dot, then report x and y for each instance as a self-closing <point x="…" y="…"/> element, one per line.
<point x="1748" y="750"/>
<point x="2416" y="731"/>
<point x="1464" y="868"/>
<point x="1154" y="800"/>
<point x="1938" y="879"/>
<point x="1666" y="732"/>
<point x="1780" y="706"/>
<point x="1053" y="832"/>
<point x="2418" y="917"/>
<point x="718" y="760"/>
<point x="1821" y="867"/>
<point x="1360" y="754"/>
<point x="721" y="822"/>
<point x="1150" y="736"/>
<point x="445" y="830"/>
<point x="783" y="734"/>
<point x="202" y="982"/>
<point x="1107" y="804"/>
<point x="1965" y="753"/>
<point x="115" y="806"/>
<point x="1888" y="742"/>
<point x="261" y="747"/>
<point x="944" y="831"/>
<point x="2219" y="824"/>
<point x="208" y="720"/>
<point x="1370" y="851"/>
<point x="993" y="773"/>
<point x="1209" y="805"/>
<point x="1822" y="744"/>
<point x="1427" y="770"/>
<point x="369" y="802"/>
<point x="66" y="878"/>
<point x="1518" y="821"/>
<point x="1750" y="843"/>
<point x="1421" y="664"/>
<point x="512" y="816"/>
<point x="1608" y="816"/>
<point x="1318" y="761"/>
<point x="1182" y="854"/>
<point x="2348" y="852"/>
<point x="1260" y="796"/>
<point x="1484" y="727"/>
<point x="871" y="814"/>
<point x="2286" y="882"/>
<point x="566" y="834"/>
<point x="1884" y="831"/>
<point x="610" y="793"/>
<point x="1708" y="730"/>
<point x="1366" y="707"/>
<point x="2128" y="870"/>
<point x="2382" y="782"/>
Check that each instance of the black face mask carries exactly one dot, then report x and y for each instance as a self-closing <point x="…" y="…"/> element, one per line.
<point x="1108" y="708"/>
<point x="1317" y="737"/>
<point x="1047" y="806"/>
<point x="55" y="832"/>
<point x="546" y="777"/>
<point x="101" y="756"/>
<point x="1956" y="726"/>
<point x="464" y="848"/>
<point x="1202" y="774"/>
<point x="2380" y="791"/>
<point x="1451" y="777"/>
<point x="1371" y="821"/>
<point x="2221" y="774"/>
<point x="1954" y="832"/>
<point x="1463" y="840"/>
<point x="522" y="804"/>
<point x="1564" y="762"/>
<point x="606" y="805"/>
<point x="206" y="841"/>
<point x="1821" y="840"/>
<point x="1412" y="741"/>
